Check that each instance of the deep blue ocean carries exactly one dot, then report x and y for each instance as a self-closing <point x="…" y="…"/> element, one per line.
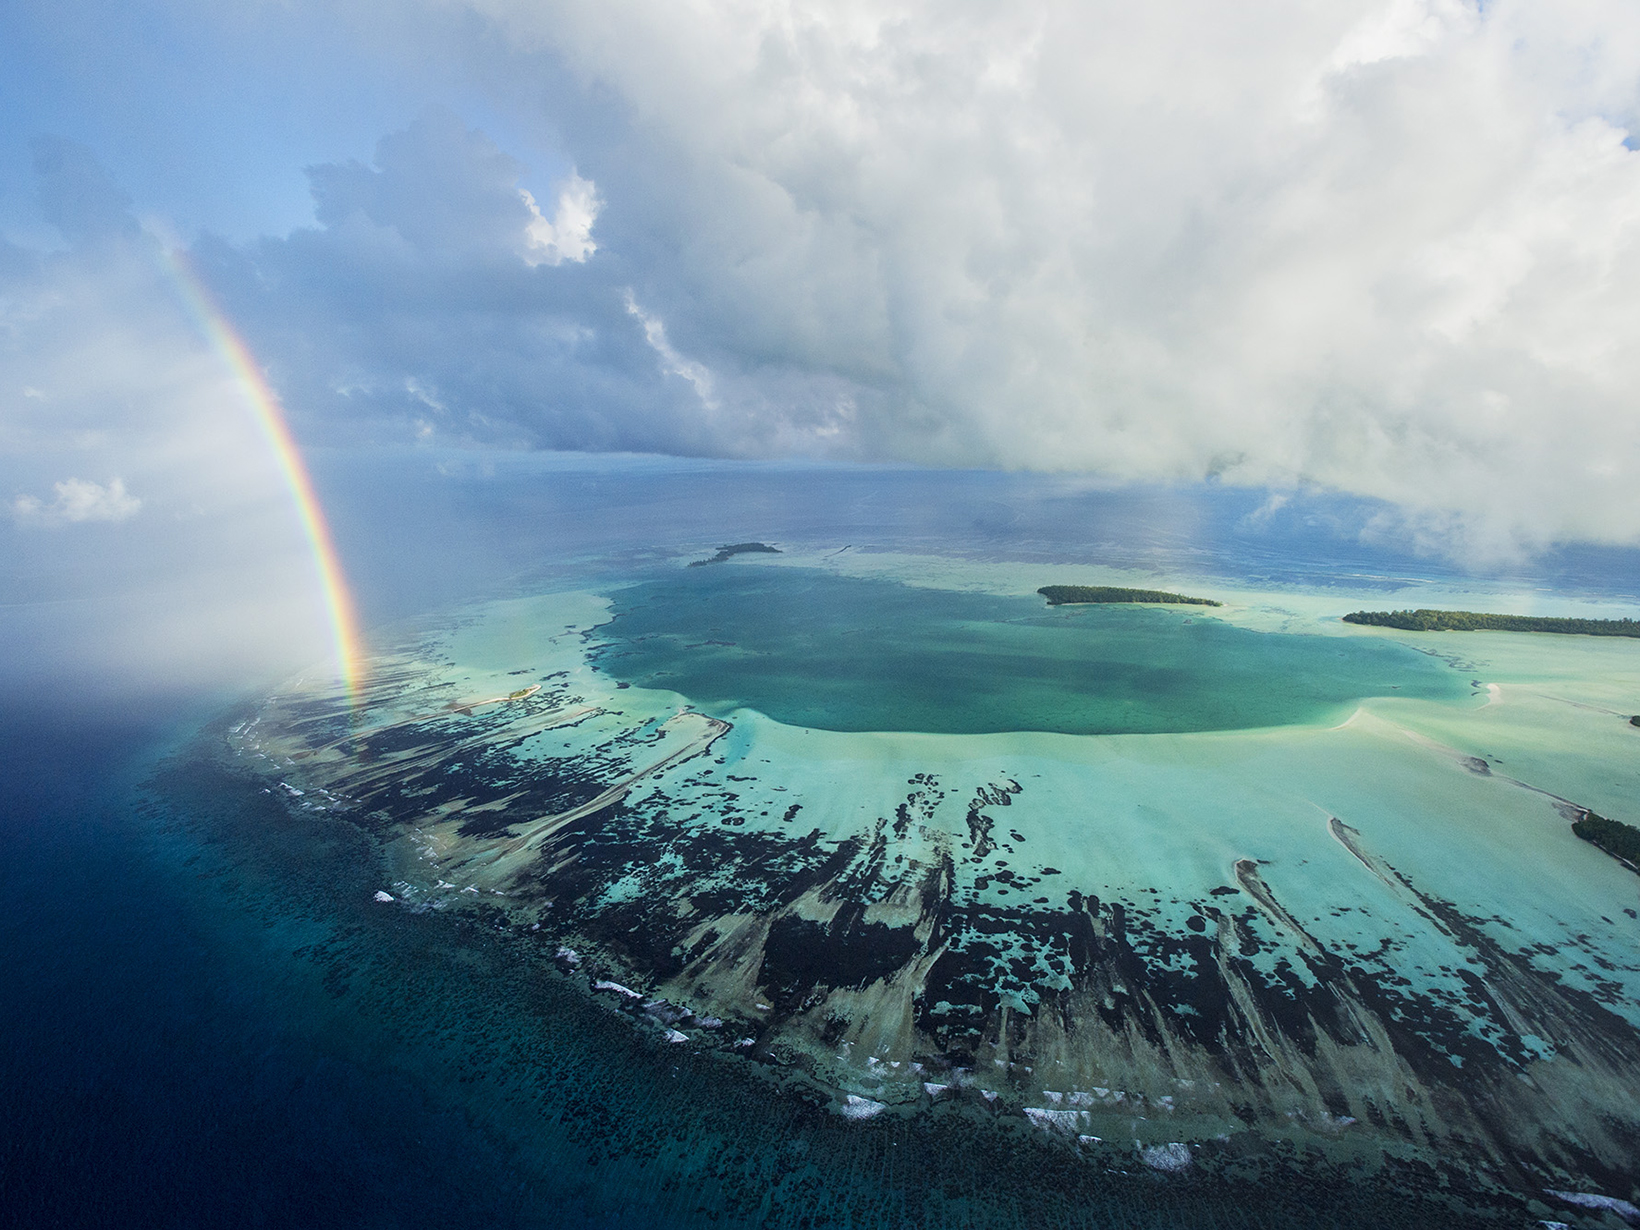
<point x="153" y="1073"/>
<point x="204" y="1022"/>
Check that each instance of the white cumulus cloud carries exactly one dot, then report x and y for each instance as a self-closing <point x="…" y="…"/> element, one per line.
<point x="78" y="499"/>
<point x="1385" y="246"/>
<point x="567" y="235"/>
<point x="673" y="363"/>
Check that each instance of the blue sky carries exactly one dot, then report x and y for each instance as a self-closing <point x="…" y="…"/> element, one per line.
<point x="208" y="115"/>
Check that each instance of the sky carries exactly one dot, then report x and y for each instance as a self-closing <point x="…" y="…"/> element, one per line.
<point x="1383" y="249"/>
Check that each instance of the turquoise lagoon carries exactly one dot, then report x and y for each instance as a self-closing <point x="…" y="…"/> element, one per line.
<point x="809" y="647"/>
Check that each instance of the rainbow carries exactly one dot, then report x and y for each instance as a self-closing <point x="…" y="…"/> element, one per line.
<point x="270" y="417"/>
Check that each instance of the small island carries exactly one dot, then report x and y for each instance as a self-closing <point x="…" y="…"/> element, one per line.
<point x="1621" y="841"/>
<point x="736" y="548"/>
<point x="1070" y="595"/>
<point x="1424" y="620"/>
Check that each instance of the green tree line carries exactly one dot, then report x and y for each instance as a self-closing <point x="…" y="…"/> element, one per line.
<point x="1065" y="595"/>
<point x="1425" y="620"/>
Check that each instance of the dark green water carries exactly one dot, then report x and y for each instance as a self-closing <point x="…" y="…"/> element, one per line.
<point x="810" y="648"/>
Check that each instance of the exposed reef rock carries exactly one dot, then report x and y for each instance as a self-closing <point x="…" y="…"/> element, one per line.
<point x="733" y="549"/>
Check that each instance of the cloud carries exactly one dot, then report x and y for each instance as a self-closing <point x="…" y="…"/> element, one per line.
<point x="1387" y="248"/>
<point x="78" y="500"/>
<point x="673" y="363"/>
<point x="568" y="236"/>
<point x="432" y="300"/>
<point x="1265" y="513"/>
<point x="1384" y="247"/>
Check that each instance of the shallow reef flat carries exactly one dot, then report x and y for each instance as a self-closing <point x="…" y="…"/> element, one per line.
<point x="1370" y="936"/>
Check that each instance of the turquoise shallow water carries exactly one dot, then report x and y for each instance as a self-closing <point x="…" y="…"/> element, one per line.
<point x="810" y="648"/>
